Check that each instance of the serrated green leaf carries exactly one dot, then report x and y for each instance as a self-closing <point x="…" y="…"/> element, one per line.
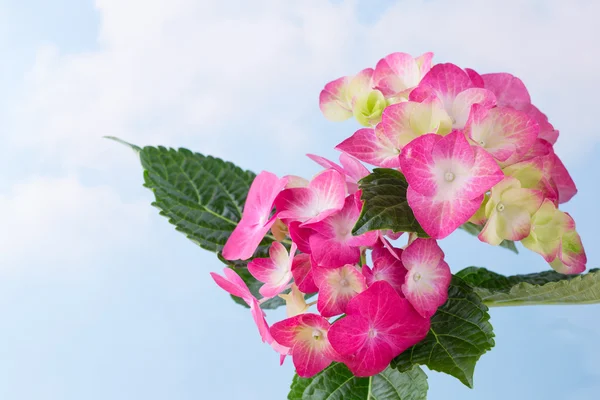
<point x="203" y="197"/>
<point x="385" y="205"/>
<point x="460" y="334"/>
<point x="336" y="382"/>
<point x="475" y="230"/>
<point x="548" y="287"/>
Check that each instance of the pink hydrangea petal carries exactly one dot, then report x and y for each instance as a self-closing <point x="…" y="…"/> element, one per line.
<point x="447" y="80"/>
<point x="387" y="268"/>
<point x="300" y="236"/>
<point x="502" y="131"/>
<point x="233" y="284"/>
<point x="255" y="222"/>
<point x="564" y="183"/>
<point x="365" y="145"/>
<point x="334" y="102"/>
<point x="440" y="218"/>
<point x="428" y="278"/>
<point x="379" y="325"/>
<point x="475" y="78"/>
<point x="461" y="106"/>
<point x="547" y="131"/>
<point x="337" y="286"/>
<point x="509" y="90"/>
<point x="324" y="196"/>
<point x="353" y="167"/>
<point x="400" y="71"/>
<point x="302" y="272"/>
<point x="416" y="161"/>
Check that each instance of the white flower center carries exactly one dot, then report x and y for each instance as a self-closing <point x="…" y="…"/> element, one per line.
<point x="482" y="143"/>
<point x="316" y="334"/>
<point x="344" y="282"/>
<point x="417" y="277"/>
<point x="500" y="207"/>
<point x="372" y="333"/>
<point x="449" y="176"/>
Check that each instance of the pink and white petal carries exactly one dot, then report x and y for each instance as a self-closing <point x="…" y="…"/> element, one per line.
<point x="337" y="286"/>
<point x="295" y="181"/>
<point x="244" y="240"/>
<point x="334" y="101"/>
<point x="329" y="252"/>
<point x="309" y="360"/>
<point x="475" y="77"/>
<point x="440" y="218"/>
<point x="329" y="187"/>
<point x="424" y="63"/>
<point x="367" y="239"/>
<point x="564" y="183"/>
<point x="285" y="331"/>
<point x="360" y="84"/>
<point x="447" y="80"/>
<point x="422" y="251"/>
<point x="461" y="106"/>
<point x="426" y="286"/>
<point x="367" y="147"/>
<point x="509" y="90"/>
<point x="389" y="269"/>
<point x="416" y="164"/>
<point x="233" y="284"/>
<point x="259" y="202"/>
<point x="300" y="236"/>
<point x="485" y="173"/>
<point x="296" y="204"/>
<point x="347" y="335"/>
<point x="547" y="131"/>
<point x="262" y="269"/>
<point x="502" y="131"/>
<point x="325" y="163"/>
<point x="395" y="73"/>
<point x="454" y="147"/>
<point x="302" y="272"/>
<point x="353" y="168"/>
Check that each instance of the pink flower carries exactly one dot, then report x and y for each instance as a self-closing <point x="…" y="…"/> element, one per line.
<point x="387" y="268"/>
<point x="426" y="284"/>
<point x="351" y="168"/>
<point x="306" y="335"/>
<point x="324" y="196"/>
<point x="234" y="285"/>
<point x="332" y="244"/>
<point x="447" y="180"/>
<point x="302" y="272"/>
<point x="275" y="272"/>
<point x="502" y="131"/>
<point x="256" y="217"/>
<point x="400" y="124"/>
<point x="455" y="89"/>
<point x="397" y="73"/>
<point x="379" y="325"/>
<point x="336" y="287"/>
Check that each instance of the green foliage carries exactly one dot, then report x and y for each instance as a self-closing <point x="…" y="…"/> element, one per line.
<point x="385" y="205"/>
<point x="336" y="382"/>
<point x="460" y="333"/>
<point x="547" y="287"/>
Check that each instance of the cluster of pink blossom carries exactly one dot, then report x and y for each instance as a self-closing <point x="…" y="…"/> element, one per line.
<point x="472" y="148"/>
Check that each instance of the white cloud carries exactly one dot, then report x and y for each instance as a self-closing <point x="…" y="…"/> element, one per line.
<point x="60" y="222"/>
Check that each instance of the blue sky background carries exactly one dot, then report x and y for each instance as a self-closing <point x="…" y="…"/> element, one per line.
<point x="100" y="298"/>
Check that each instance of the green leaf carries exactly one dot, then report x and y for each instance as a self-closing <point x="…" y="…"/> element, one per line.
<point x="460" y="333"/>
<point x="385" y="205"/>
<point x="547" y="287"/>
<point x="336" y="382"/>
<point x="133" y="147"/>
<point x="476" y="229"/>
<point x="203" y="197"/>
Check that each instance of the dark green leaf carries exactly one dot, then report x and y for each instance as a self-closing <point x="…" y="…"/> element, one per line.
<point x="460" y="334"/>
<point x="476" y="229"/>
<point x="203" y="197"/>
<point x="336" y="382"/>
<point x="385" y="205"/>
<point x="548" y="287"/>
